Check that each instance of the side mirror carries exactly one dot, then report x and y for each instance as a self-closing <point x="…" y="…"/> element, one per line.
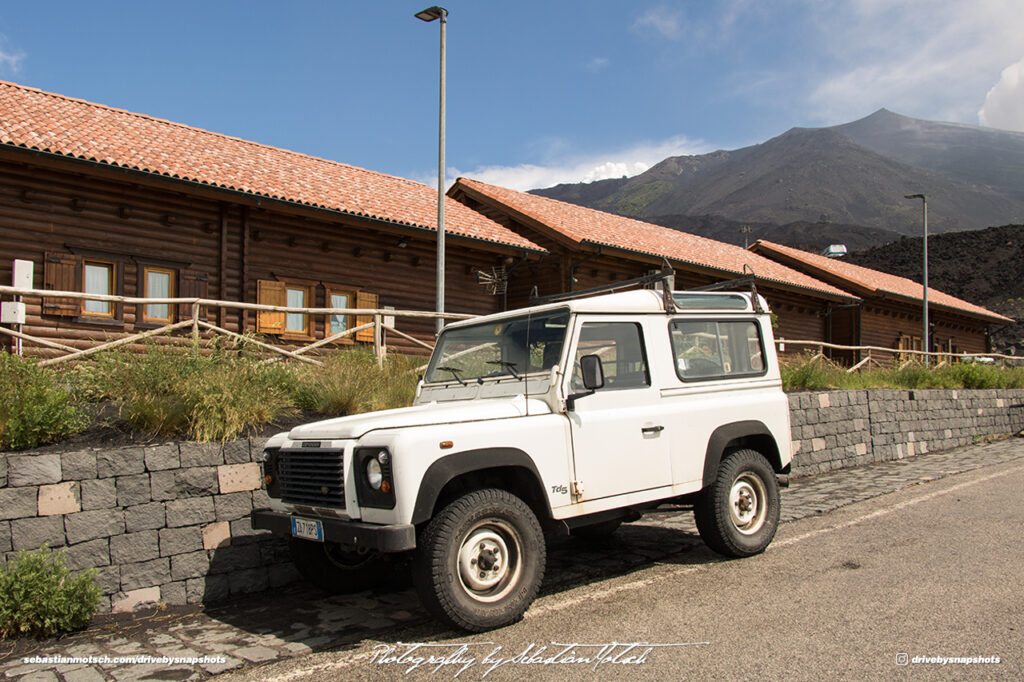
<point x="593" y="372"/>
<point x="593" y="378"/>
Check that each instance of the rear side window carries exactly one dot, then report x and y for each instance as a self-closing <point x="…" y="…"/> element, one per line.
<point x="715" y="349"/>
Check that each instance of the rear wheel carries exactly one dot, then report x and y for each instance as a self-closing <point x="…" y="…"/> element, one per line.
<point x="339" y="571"/>
<point x="479" y="562"/>
<point x="737" y="515"/>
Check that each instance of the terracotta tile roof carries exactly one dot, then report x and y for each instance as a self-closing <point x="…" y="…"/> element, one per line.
<point x="48" y="122"/>
<point x="867" y="282"/>
<point x="588" y="226"/>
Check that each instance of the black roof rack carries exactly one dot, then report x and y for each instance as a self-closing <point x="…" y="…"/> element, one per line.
<point x="667" y="276"/>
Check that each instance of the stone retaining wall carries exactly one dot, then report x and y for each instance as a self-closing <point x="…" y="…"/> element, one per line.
<point x="835" y="429"/>
<point x="170" y="522"/>
<point x="161" y="523"/>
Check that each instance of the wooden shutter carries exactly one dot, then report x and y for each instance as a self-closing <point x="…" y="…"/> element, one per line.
<point x="192" y="284"/>
<point x="60" y="273"/>
<point x="270" y="292"/>
<point x="365" y="299"/>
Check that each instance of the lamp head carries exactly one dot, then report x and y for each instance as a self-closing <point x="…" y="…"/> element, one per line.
<point x="432" y="13"/>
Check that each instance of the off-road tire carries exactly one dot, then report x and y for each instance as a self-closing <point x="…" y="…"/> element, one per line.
<point x="737" y="515"/>
<point x="480" y="561"/>
<point x="337" y="571"/>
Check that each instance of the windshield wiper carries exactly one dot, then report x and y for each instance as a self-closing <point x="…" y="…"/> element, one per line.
<point x="510" y="366"/>
<point x="455" y="373"/>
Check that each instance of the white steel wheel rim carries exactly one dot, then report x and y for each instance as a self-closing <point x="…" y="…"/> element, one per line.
<point x="747" y="507"/>
<point x="489" y="560"/>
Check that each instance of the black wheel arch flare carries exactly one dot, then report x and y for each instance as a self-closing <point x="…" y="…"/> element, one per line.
<point x="449" y="467"/>
<point x="744" y="434"/>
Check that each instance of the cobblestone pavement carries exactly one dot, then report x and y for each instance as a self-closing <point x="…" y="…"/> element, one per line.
<point x="299" y="620"/>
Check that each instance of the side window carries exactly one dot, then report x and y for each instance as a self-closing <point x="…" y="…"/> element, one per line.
<point x="621" y="349"/>
<point x="708" y="349"/>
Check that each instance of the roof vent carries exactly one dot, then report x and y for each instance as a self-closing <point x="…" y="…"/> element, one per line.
<point x="835" y="251"/>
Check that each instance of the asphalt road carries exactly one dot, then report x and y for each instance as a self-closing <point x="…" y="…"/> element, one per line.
<point x="881" y="589"/>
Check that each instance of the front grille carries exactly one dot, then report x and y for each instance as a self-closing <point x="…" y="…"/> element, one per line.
<point x="312" y="477"/>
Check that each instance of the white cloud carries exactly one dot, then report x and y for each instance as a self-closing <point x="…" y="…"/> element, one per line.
<point x="10" y="58"/>
<point x="598" y="64"/>
<point x="1004" y="104"/>
<point x="588" y="168"/>
<point x="661" y="19"/>
<point x="927" y="58"/>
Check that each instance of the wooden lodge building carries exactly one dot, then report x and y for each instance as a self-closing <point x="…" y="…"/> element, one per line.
<point x="889" y="309"/>
<point x="589" y="248"/>
<point x="815" y="298"/>
<point x="106" y="201"/>
<point x="112" y="202"/>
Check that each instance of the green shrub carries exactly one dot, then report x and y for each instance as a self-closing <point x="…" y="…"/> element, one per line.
<point x="40" y="597"/>
<point x="351" y="382"/>
<point x="35" y="408"/>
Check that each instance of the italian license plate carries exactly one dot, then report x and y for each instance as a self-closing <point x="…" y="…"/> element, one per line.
<point x="307" y="529"/>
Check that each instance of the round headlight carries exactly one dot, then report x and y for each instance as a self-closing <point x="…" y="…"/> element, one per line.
<point x="374" y="475"/>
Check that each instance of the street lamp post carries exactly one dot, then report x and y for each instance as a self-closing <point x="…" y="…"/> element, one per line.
<point x="430" y="14"/>
<point x="924" y="218"/>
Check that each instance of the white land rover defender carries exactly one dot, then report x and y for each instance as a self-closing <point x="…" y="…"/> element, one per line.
<point x="572" y="416"/>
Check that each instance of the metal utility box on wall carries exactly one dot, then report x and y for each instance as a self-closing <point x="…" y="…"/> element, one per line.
<point x="22" y="274"/>
<point x="12" y="312"/>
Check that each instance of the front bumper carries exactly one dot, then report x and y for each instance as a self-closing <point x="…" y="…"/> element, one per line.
<point x="392" y="538"/>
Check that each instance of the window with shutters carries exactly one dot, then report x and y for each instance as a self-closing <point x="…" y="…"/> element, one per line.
<point x="288" y="293"/>
<point x="85" y="274"/>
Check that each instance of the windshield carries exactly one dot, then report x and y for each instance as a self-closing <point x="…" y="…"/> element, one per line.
<point x="511" y="347"/>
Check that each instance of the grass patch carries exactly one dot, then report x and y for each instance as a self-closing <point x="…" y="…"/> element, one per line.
<point x="351" y="382"/>
<point x="809" y="373"/>
<point x="36" y="408"/>
<point x="213" y="396"/>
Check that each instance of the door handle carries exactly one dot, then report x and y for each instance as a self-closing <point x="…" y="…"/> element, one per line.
<point x="652" y="429"/>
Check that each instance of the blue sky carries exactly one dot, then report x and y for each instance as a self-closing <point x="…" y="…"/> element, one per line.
<point x="538" y="92"/>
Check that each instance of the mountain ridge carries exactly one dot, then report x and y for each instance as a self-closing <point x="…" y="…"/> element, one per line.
<point x="834" y="176"/>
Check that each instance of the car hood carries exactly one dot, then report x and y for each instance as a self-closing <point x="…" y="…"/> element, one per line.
<point x="357" y="425"/>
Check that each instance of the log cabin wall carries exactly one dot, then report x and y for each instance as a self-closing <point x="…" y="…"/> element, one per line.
<point x="886" y="323"/>
<point x="219" y="245"/>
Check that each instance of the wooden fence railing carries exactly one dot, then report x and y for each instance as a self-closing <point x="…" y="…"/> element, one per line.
<point x="895" y="357"/>
<point x="194" y="325"/>
<point x="874" y="355"/>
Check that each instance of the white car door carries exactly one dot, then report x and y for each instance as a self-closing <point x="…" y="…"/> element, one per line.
<point x="619" y="443"/>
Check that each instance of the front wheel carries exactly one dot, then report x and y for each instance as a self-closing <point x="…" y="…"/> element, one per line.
<point x="738" y="513"/>
<point x="480" y="561"/>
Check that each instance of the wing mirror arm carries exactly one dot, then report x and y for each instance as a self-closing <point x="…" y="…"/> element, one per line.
<point x="593" y="378"/>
